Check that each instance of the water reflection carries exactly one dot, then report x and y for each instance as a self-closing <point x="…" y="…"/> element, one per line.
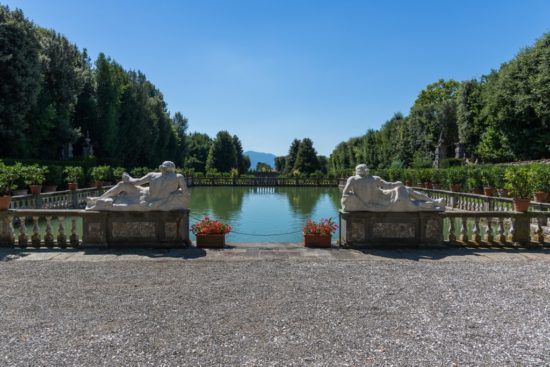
<point x="255" y="212"/>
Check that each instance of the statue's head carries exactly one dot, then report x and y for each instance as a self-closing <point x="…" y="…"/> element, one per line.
<point x="362" y="170"/>
<point x="167" y="166"/>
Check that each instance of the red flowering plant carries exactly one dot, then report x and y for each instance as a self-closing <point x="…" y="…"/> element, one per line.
<point x="208" y="226"/>
<point x="323" y="227"/>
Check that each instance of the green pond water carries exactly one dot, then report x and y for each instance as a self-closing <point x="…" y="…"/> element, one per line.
<point x="264" y="214"/>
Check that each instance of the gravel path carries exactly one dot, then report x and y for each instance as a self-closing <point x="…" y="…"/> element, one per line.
<point x="314" y="312"/>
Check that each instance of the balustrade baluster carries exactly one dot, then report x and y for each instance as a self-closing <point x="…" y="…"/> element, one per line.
<point x="452" y="236"/>
<point x="74" y="236"/>
<point x="512" y="230"/>
<point x="11" y="231"/>
<point x="61" y="238"/>
<point x="23" y="240"/>
<point x="476" y="237"/>
<point x="35" y="238"/>
<point x="464" y="229"/>
<point x="489" y="230"/>
<point x="48" y="238"/>
<point x="539" y="233"/>
<point x="500" y="231"/>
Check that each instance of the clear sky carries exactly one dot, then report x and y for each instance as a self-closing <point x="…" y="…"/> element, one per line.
<point x="271" y="71"/>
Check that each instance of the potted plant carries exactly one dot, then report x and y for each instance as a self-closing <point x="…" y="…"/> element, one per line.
<point x="54" y="178"/>
<point x="35" y="176"/>
<point x="498" y="177"/>
<point x="210" y="233"/>
<point x="408" y="175"/>
<point x="8" y="175"/>
<point x="19" y="183"/>
<point x="488" y="180"/>
<point x="318" y="234"/>
<point x="455" y="179"/>
<point x="540" y="182"/>
<point x="72" y="175"/>
<point x="438" y="177"/>
<point x="518" y="184"/>
<point x="474" y="182"/>
<point x="101" y="174"/>
<point x="425" y="177"/>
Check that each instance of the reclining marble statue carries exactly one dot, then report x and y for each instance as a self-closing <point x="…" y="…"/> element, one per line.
<point x="364" y="192"/>
<point x="167" y="191"/>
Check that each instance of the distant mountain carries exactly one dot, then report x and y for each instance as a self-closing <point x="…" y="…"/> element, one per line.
<point x="256" y="157"/>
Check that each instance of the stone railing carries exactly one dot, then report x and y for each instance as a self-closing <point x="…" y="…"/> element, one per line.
<point x="67" y="199"/>
<point x="73" y="228"/>
<point x="487" y="228"/>
<point x="477" y="203"/>
<point x="260" y="181"/>
<point x="41" y="227"/>
<point x="418" y="229"/>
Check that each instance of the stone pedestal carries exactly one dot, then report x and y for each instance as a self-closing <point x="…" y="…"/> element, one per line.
<point x="151" y="229"/>
<point x="390" y="229"/>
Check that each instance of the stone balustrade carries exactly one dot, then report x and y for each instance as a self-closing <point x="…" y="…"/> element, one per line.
<point x="73" y="228"/>
<point x="67" y="199"/>
<point x="260" y="181"/>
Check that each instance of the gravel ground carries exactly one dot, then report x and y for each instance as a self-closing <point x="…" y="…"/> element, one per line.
<point x="277" y="312"/>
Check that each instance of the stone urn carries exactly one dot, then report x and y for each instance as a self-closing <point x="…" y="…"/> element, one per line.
<point x="317" y="240"/>
<point x="210" y="240"/>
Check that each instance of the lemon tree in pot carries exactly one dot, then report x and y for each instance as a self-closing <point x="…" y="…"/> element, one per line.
<point x="101" y="174"/>
<point x="540" y="182"/>
<point x="72" y="175"/>
<point x="518" y="183"/>
<point x="488" y="180"/>
<point x="8" y="175"/>
<point x="318" y="234"/>
<point x="34" y="176"/>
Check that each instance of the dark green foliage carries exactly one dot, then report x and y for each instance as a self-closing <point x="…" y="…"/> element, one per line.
<point x="198" y="146"/>
<point x="222" y="156"/>
<point x="263" y="167"/>
<point x="291" y="157"/>
<point x="241" y="161"/>
<point x="280" y="164"/>
<point x="306" y="159"/>
<point x="20" y="75"/>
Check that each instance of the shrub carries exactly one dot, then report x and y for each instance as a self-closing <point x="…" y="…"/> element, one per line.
<point x="102" y="173"/>
<point x="439" y="176"/>
<point x="34" y="174"/>
<point x="8" y="176"/>
<point x="54" y="176"/>
<point x="118" y="172"/>
<point x="488" y="174"/>
<point x="498" y="176"/>
<point x="540" y="178"/>
<point x="518" y="181"/>
<point x="73" y="173"/>
<point x="140" y="171"/>
<point x="474" y="178"/>
<point x="451" y="162"/>
<point x="456" y="176"/>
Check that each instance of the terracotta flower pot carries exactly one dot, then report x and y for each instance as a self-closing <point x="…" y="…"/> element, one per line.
<point x="408" y="183"/>
<point x="428" y="185"/>
<point x="98" y="184"/>
<point x="521" y="204"/>
<point x="489" y="191"/>
<point x="73" y="186"/>
<point x="455" y="187"/>
<point x="5" y="202"/>
<point x="210" y="240"/>
<point x="36" y="189"/>
<point x="547" y="197"/>
<point x="317" y="240"/>
<point x="540" y="196"/>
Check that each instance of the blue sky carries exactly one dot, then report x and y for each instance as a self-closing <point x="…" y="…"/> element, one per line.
<point x="271" y="71"/>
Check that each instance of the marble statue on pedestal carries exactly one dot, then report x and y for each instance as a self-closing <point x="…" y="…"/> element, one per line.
<point x="167" y="191"/>
<point x="364" y="192"/>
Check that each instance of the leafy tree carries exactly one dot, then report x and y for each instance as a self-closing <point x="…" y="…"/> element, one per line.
<point x="222" y="155"/>
<point x="181" y="124"/>
<point x="263" y="167"/>
<point x="20" y="73"/>
<point x="280" y="163"/>
<point x="306" y="159"/>
<point x="292" y="154"/>
<point x="241" y="162"/>
<point x="198" y="148"/>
